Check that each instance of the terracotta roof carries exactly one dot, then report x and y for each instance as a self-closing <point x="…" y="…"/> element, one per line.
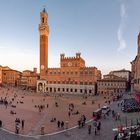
<point x="123" y="70"/>
<point x="12" y="70"/>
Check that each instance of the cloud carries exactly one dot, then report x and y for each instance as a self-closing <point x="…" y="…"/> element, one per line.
<point x="3" y="47"/>
<point x="122" y="42"/>
<point x="123" y="11"/>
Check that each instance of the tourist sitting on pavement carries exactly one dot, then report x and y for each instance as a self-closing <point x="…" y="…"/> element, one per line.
<point x="84" y="103"/>
<point x="53" y="120"/>
<point x="21" y="102"/>
<point x="75" y="113"/>
<point x="12" y="112"/>
<point x="92" y="102"/>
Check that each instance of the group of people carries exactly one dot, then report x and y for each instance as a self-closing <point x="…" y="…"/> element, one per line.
<point x="97" y="127"/>
<point x="4" y="101"/>
<point x="82" y="121"/>
<point x="60" y="124"/>
<point x="116" y="115"/>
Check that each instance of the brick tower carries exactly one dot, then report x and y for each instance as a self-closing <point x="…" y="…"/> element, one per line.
<point x="44" y="32"/>
<point x="138" y="43"/>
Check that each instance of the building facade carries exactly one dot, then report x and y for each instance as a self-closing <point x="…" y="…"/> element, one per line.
<point x="72" y="77"/>
<point x="28" y="80"/>
<point x="111" y="84"/>
<point x="0" y="75"/>
<point x="135" y="68"/>
<point x="10" y="76"/>
<point x="122" y="73"/>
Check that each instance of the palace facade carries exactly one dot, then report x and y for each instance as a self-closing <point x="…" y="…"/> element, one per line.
<point x="9" y="76"/>
<point x="72" y="77"/>
<point x="126" y="74"/>
<point x="28" y="79"/>
<point x="111" y="84"/>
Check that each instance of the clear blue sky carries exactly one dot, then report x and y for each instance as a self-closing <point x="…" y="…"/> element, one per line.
<point x="104" y="31"/>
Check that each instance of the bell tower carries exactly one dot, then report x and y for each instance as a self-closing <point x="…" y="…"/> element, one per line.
<point x="44" y="32"/>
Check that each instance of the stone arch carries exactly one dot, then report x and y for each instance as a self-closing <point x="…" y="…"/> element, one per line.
<point x="40" y="87"/>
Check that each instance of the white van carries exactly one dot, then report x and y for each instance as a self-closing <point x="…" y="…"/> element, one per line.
<point x="105" y="109"/>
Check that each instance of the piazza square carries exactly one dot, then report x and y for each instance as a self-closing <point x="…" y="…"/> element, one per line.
<point x="47" y="93"/>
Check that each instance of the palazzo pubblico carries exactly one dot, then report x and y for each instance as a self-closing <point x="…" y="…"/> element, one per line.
<point x="72" y="77"/>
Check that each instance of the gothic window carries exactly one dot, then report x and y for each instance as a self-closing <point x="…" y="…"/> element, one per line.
<point x="81" y="72"/>
<point x="85" y="83"/>
<point x="90" y="83"/>
<point x="81" y="83"/>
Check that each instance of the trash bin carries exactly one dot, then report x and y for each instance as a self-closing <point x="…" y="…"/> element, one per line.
<point x="42" y="130"/>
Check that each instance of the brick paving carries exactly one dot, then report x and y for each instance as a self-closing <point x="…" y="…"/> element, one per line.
<point x="81" y="134"/>
<point x="34" y="119"/>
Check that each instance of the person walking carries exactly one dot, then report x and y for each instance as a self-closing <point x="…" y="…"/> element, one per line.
<point x="79" y="123"/>
<point x="17" y="128"/>
<point x="62" y="124"/>
<point x="22" y="124"/>
<point x="0" y="123"/>
<point x="58" y="124"/>
<point x="69" y="114"/>
<point x="89" y="129"/>
<point x="98" y="127"/>
<point x="95" y="131"/>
